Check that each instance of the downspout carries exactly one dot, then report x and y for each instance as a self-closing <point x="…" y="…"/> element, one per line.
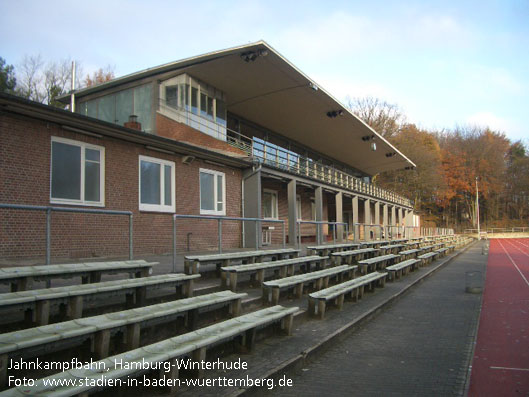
<point x="242" y="198"/>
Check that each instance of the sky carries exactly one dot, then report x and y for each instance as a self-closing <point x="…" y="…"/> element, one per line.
<point x="444" y="63"/>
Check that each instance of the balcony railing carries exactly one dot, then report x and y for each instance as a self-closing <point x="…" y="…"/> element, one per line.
<point x="277" y="157"/>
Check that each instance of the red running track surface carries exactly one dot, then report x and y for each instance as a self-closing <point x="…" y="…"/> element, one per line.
<point x="501" y="358"/>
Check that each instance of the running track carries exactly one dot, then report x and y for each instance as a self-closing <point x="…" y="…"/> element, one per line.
<point x="501" y="358"/>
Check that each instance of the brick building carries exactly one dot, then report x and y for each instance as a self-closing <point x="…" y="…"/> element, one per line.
<point x="238" y="132"/>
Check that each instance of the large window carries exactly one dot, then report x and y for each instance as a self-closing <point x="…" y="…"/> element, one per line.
<point x="77" y="172"/>
<point x="269" y="206"/>
<point x="212" y="192"/>
<point x="157" y="190"/>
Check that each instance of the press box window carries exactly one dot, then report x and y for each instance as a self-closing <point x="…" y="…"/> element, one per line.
<point x="77" y="172"/>
<point x="157" y="189"/>
<point x="212" y="192"/>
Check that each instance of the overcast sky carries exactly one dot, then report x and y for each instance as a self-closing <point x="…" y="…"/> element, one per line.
<point x="445" y="63"/>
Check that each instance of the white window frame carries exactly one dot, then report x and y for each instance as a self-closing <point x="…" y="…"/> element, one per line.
<point x="158" y="207"/>
<point x="215" y="190"/>
<point x="83" y="146"/>
<point x="275" y="206"/>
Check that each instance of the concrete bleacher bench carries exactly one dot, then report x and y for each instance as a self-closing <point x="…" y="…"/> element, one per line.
<point x="390" y="249"/>
<point x="229" y="274"/>
<point x="192" y="263"/>
<point x="442" y="251"/>
<point x="402" y="268"/>
<point x="427" y="258"/>
<point x="451" y="248"/>
<point x="21" y="278"/>
<point x="37" y="304"/>
<point x="319" y="279"/>
<point x="376" y="263"/>
<point x="353" y="256"/>
<point x="355" y="287"/>
<point x="326" y="249"/>
<point x="409" y="254"/>
<point x="33" y="342"/>
<point x="193" y="344"/>
<point x="374" y="244"/>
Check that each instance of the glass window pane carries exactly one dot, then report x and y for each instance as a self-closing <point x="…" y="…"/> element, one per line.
<point x="171" y="96"/>
<point x="203" y="104"/>
<point x="142" y="106"/>
<point x="167" y="185"/>
<point x="210" y="107"/>
<point x="207" y="192"/>
<point x="81" y="108"/>
<point x="194" y="100"/>
<point x="219" y="193"/>
<point x="267" y="205"/>
<point x="91" y="154"/>
<point x="150" y="182"/>
<point x="106" y="109"/>
<point x="221" y="112"/>
<point x="124" y="106"/>
<point x="184" y="96"/>
<point x="91" y="181"/>
<point x="66" y="171"/>
<point x="91" y="108"/>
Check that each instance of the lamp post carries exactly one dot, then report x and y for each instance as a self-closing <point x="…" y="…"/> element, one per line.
<point x="477" y="208"/>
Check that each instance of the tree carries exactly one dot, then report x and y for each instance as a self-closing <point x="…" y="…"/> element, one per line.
<point x="8" y="81"/>
<point x="29" y="77"/>
<point x="385" y="118"/>
<point x="100" y="76"/>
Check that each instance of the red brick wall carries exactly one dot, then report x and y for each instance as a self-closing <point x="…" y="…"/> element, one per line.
<point x="181" y="132"/>
<point x="25" y="152"/>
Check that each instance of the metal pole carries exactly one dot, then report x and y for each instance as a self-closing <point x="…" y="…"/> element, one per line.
<point x="284" y="235"/>
<point x="256" y="235"/>
<point x="174" y="244"/>
<point x="220" y="234"/>
<point x="131" y="247"/>
<point x="477" y="207"/>
<point x="299" y="234"/>
<point x="48" y="236"/>
<point x="334" y="233"/>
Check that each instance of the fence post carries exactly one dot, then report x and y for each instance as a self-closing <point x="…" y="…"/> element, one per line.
<point x="174" y="244"/>
<point x="220" y="234"/>
<point x="131" y="247"/>
<point x="48" y="236"/>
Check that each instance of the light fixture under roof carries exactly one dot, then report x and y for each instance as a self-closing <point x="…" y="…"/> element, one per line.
<point x="334" y="113"/>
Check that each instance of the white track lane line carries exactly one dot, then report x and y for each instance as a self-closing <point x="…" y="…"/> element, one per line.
<point x="510" y="369"/>
<point x="525" y="253"/>
<point x="517" y="268"/>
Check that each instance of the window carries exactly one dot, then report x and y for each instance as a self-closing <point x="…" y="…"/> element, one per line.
<point x="298" y="207"/>
<point x="157" y="190"/>
<point x="212" y="192"/>
<point x="269" y="204"/>
<point x="77" y="172"/>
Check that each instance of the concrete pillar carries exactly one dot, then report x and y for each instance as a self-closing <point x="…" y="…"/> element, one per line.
<point x="292" y="212"/>
<point x="377" y="219"/>
<point x="318" y="201"/>
<point x="400" y="222"/>
<point x="356" y="230"/>
<point x="367" y="219"/>
<point x="339" y="216"/>
<point x="252" y="208"/>
<point x="385" y="220"/>
<point x="393" y="222"/>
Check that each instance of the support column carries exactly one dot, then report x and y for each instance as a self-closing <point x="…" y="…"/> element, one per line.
<point x="400" y="220"/>
<point x="318" y="201"/>
<point x="367" y="219"/>
<point x="252" y="208"/>
<point x="356" y="229"/>
<point x="377" y="219"/>
<point x="385" y="220"/>
<point x="339" y="216"/>
<point x="292" y="213"/>
<point x="393" y="222"/>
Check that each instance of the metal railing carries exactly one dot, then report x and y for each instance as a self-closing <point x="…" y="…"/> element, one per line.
<point x="318" y="229"/>
<point x="497" y="230"/>
<point x="219" y="219"/>
<point x="50" y="209"/>
<point x="275" y="156"/>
